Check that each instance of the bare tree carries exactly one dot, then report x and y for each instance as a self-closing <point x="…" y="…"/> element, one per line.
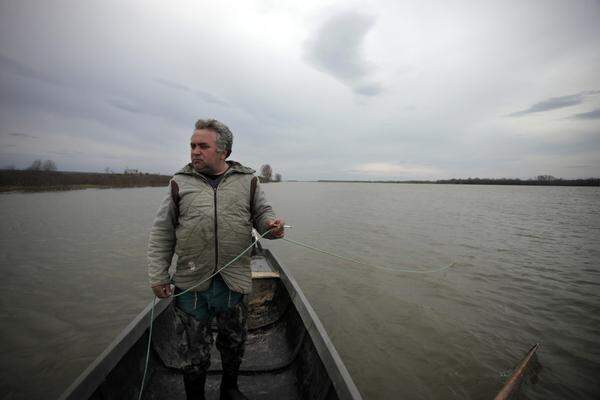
<point x="266" y="172"/>
<point x="545" y="178"/>
<point x="277" y="177"/>
<point x="36" y="165"/>
<point x="49" y="165"/>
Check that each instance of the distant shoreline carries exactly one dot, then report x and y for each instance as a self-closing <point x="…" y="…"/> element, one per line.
<point x="42" y="181"/>
<point x="482" y="181"/>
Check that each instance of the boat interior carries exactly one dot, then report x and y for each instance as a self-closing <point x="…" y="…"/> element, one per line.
<point x="280" y="361"/>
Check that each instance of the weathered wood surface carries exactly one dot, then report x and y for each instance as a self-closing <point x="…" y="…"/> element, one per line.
<point x="512" y="385"/>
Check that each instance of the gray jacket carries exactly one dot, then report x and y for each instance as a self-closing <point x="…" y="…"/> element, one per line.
<point x="207" y="229"/>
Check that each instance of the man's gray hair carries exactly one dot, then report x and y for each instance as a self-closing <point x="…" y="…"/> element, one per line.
<point x="224" y="135"/>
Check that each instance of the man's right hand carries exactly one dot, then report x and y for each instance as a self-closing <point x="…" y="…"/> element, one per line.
<point x="162" y="291"/>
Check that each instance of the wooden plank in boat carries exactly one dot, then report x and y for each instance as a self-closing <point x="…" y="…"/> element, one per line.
<point x="262" y="275"/>
<point x="261" y="268"/>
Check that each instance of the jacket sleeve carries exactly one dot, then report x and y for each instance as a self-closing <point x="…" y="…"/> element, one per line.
<point x="161" y="244"/>
<point x="262" y="211"/>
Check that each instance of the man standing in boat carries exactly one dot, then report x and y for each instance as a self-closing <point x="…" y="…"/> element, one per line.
<point x="207" y="220"/>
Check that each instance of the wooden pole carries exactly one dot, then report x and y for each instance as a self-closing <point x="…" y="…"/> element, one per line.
<point x="513" y="382"/>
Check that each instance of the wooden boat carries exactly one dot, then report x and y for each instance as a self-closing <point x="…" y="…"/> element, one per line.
<point x="513" y="384"/>
<point x="288" y="353"/>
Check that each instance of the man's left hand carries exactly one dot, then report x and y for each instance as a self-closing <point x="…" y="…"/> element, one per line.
<point x="276" y="226"/>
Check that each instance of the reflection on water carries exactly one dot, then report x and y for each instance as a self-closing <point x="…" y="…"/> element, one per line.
<point x="527" y="271"/>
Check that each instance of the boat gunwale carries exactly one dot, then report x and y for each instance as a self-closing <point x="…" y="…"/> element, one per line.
<point x="337" y="371"/>
<point x="92" y="377"/>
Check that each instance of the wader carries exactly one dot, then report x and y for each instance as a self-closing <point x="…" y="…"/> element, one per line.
<point x="195" y="311"/>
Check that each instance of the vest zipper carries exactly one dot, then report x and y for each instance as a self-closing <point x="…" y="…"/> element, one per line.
<point x="215" y="217"/>
<point x="216" y="232"/>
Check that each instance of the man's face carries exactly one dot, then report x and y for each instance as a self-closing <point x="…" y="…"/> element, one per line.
<point x="205" y="157"/>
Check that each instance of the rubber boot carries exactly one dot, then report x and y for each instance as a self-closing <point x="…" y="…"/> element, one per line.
<point x="229" y="388"/>
<point x="194" y="386"/>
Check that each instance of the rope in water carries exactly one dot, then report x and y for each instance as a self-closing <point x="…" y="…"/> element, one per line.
<point x="244" y="252"/>
<point x="414" y="271"/>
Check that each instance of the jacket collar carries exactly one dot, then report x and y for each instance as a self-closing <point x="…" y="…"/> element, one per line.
<point x="234" y="167"/>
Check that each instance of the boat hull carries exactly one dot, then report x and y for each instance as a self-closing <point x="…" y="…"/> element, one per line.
<point x="288" y="353"/>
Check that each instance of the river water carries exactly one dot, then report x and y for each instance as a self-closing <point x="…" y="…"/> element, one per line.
<point x="526" y="270"/>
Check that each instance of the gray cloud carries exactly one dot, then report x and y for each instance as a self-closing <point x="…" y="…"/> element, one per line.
<point x="555" y="103"/>
<point x="172" y="85"/>
<point x="580" y="166"/>
<point x="209" y="98"/>
<point x="336" y="48"/>
<point x="595" y="114"/>
<point x="205" y="96"/>
<point x="369" y="89"/>
<point x="10" y="66"/>
<point x="269" y="112"/>
<point x="127" y="106"/>
<point x="66" y="153"/>
<point x="22" y="135"/>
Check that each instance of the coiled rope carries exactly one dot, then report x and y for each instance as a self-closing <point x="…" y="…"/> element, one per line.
<point x="307" y="246"/>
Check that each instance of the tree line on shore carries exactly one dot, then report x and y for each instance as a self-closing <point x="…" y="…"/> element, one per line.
<point x="36" y="165"/>
<point x="541" y="180"/>
<point x="266" y="174"/>
<point x="44" y="175"/>
<point x="50" y="165"/>
<point x="32" y="180"/>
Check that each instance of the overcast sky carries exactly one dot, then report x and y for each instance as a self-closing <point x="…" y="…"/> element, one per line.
<point x="319" y="90"/>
